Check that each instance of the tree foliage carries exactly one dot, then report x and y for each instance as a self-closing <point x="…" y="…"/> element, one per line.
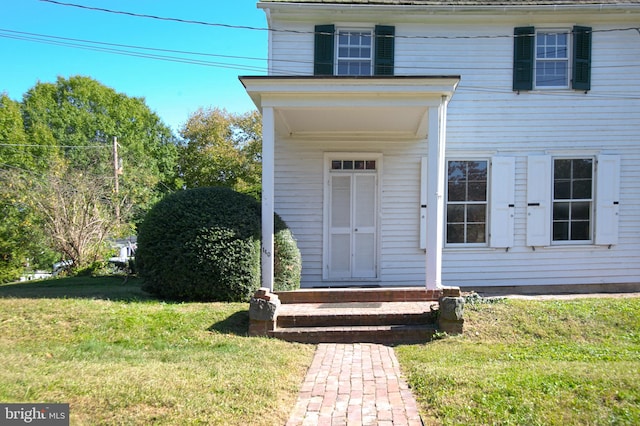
<point x="80" y="116"/>
<point x="222" y="149"/>
<point x="74" y="211"/>
<point x="57" y="148"/>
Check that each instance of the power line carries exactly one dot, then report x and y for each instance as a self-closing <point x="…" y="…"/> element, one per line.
<point x="19" y="145"/>
<point x="161" y="18"/>
<point x="120" y="49"/>
<point x="246" y="27"/>
<point x="192" y="61"/>
<point x="129" y="46"/>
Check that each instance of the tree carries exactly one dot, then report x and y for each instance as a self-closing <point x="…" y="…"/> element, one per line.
<point x="74" y="211"/>
<point x="17" y="238"/>
<point x="222" y="149"/>
<point x="57" y="172"/>
<point x="80" y="116"/>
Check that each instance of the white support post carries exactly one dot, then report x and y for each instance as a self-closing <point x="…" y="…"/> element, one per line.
<point x="435" y="195"/>
<point x="268" y="160"/>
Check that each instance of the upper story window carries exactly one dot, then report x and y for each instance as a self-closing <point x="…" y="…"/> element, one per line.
<point x="354" y="51"/>
<point x="552" y="59"/>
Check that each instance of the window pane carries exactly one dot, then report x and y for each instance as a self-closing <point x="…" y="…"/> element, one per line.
<point x="560" y="231"/>
<point x="580" y="211"/>
<point x="580" y="231"/>
<point x="475" y="234"/>
<point x="562" y="169"/>
<point x="562" y="189"/>
<point x="455" y="233"/>
<point x="477" y="191"/>
<point x="561" y="211"/>
<point x="582" y="168"/>
<point x="371" y="164"/>
<point x="477" y="170"/>
<point x="457" y="191"/>
<point x="582" y="189"/>
<point x="476" y="213"/>
<point x="455" y="213"/>
<point x="336" y="165"/>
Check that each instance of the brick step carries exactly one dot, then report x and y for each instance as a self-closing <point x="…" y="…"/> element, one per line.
<point x="382" y="334"/>
<point x="356" y="314"/>
<point x="343" y="295"/>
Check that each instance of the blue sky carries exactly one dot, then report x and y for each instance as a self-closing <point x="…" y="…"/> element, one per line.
<point x="173" y="90"/>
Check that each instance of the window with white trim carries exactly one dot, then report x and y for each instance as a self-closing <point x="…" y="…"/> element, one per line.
<point x="552" y="59"/>
<point x="467" y="202"/>
<point x="355" y="52"/>
<point x="480" y="202"/>
<point x="572" y="199"/>
<point x="365" y="51"/>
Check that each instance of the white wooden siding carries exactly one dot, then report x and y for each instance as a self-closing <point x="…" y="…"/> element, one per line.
<point x="485" y="117"/>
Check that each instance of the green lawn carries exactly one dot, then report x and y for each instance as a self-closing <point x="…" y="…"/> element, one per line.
<point x="533" y="363"/>
<point x="117" y="356"/>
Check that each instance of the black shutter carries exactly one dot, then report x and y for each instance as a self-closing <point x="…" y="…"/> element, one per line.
<point x="581" y="58"/>
<point x="384" y="50"/>
<point x="323" y="50"/>
<point x="523" y="58"/>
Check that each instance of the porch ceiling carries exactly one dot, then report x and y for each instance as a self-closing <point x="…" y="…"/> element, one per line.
<point x="348" y="107"/>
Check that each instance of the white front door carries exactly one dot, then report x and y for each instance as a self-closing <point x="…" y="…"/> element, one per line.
<point x="352" y="236"/>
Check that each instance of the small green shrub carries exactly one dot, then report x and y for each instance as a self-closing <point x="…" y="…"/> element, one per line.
<point x="287" y="263"/>
<point x="204" y="244"/>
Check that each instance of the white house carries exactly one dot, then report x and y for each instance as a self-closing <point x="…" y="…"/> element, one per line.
<point x="463" y="143"/>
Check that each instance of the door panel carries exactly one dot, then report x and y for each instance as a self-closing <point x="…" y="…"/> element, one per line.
<point x="364" y="226"/>
<point x="352" y="227"/>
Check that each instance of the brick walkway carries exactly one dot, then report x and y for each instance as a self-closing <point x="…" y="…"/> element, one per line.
<point x="354" y="384"/>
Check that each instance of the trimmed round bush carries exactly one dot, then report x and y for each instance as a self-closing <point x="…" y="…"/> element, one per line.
<point x="203" y="244"/>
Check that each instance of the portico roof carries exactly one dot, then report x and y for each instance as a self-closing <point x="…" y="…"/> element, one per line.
<point x="353" y="107"/>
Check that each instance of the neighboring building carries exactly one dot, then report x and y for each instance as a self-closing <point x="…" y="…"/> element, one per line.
<point x="501" y="138"/>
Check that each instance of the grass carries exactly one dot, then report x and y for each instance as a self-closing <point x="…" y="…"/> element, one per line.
<point x="533" y="363"/>
<point x="118" y="356"/>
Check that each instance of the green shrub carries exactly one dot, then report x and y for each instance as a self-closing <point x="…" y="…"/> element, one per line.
<point x="287" y="263"/>
<point x="204" y="244"/>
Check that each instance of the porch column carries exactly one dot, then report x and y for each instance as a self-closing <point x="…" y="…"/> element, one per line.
<point x="268" y="142"/>
<point x="435" y="194"/>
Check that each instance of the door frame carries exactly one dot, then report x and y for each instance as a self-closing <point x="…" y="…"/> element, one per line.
<point x="326" y="256"/>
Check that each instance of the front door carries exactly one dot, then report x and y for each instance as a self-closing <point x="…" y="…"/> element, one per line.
<point x="352" y="236"/>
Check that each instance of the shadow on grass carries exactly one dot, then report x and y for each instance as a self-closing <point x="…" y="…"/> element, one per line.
<point x="113" y="288"/>
<point x="237" y="324"/>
